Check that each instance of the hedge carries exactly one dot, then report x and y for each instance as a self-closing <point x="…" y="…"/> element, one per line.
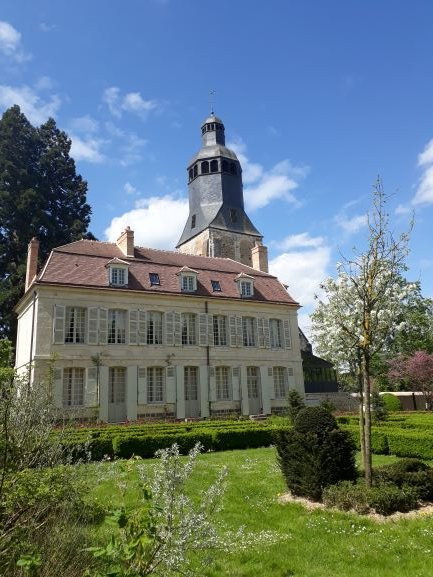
<point x="379" y="440"/>
<point x="146" y="445"/>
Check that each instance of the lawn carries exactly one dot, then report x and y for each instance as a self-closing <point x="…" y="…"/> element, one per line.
<point x="297" y="542"/>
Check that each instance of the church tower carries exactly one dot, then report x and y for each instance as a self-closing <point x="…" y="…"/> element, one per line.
<point x="217" y="224"/>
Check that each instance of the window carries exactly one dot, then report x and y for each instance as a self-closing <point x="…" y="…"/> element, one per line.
<point x="220" y="330"/>
<point x="222" y="378"/>
<point x="246" y="288"/>
<point x="248" y="332"/>
<point x="276" y="329"/>
<point x="117" y="385"/>
<point x="191" y="173"/>
<point x="214" y="166"/>
<point x="216" y="287"/>
<point x="225" y="166"/>
<point x="118" y="276"/>
<point x="116" y="327"/>
<point x="75" y="325"/>
<point x="193" y="221"/>
<point x="154" y="279"/>
<point x="155" y="384"/>
<point x="73" y="387"/>
<point x="195" y="171"/>
<point x="233" y="215"/>
<point x="233" y="168"/>
<point x="280" y="382"/>
<point x="188" y="325"/>
<point x="253" y="382"/>
<point x="191" y="383"/>
<point x="188" y="283"/>
<point x="205" y="167"/>
<point x="154" y="328"/>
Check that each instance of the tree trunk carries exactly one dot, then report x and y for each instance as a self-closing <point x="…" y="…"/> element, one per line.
<point x="367" y="413"/>
<point x="361" y="417"/>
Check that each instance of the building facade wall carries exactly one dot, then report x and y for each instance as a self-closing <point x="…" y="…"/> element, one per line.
<point x="173" y="357"/>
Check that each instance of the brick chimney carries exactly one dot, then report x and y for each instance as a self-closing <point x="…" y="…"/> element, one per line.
<point x="259" y="257"/>
<point x="126" y="242"/>
<point x="32" y="261"/>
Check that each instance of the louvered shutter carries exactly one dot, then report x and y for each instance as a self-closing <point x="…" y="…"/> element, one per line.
<point x="91" y="390"/>
<point x="212" y="384"/>
<point x="287" y="335"/>
<point x="267" y="333"/>
<point x="271" y="387"/>
<point x="239" y="332"/>
<point x="59" y="324"/>
<point x="203" y="338"/>
<point x="290" y="378"/>
<point x="170" y="384"/>
<point x="92" y="326"/>
<point x="133" y="327"/>
<point x="260" y="333"/>
<point x="169" y="329"/>
<point x="177" y="329"/>
<point x="142" y="327"/>
<point x="103" y="326"/>
<point x="236" y="373"/>
<point x="210" y="336"/>
<point x="233" y="340"/>
<point x="58" y="388"/>
<point x="141" y="386"/>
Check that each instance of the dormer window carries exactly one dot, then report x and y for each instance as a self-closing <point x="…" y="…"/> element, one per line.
<point x="188" y="279"/>
<point x="216" y="287"/>
<point x="245" y="285"/>
<point x="117" y="272"/>
<point x="154" y="279"/>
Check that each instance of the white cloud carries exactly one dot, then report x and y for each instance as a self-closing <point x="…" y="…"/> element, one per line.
<point x="157" y="221"/>
<point x="264" y="186"/>
<point x="87" y="149"/>
<point x="424" y="193"/>
<point x="10" y="42"/>
<point x="85" y="124"/>
<point x="302" y="240"/>
<point x="129" y="188"/>
<point x="130" y="102"/>
<point x="34" y="107"/>
<point x="351" y="225"/>
<point x="303" y="269"/>
<point x="130" y="149"/>
<point x="402" y="209"/>
<point x="44" y="83"/>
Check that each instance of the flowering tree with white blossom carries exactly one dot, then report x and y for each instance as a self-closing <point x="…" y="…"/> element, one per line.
<point x="361" y="309"/>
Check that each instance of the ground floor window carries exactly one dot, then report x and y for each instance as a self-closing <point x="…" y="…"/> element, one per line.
<point x="191" y="383"/>
<point x="222" y="377"/>
<point x="280" y="382"/>
<point x="73" y="387"/>
<point x="155" y="384"/>
<point x="117" y="385"/>
<point x="253" y="382"/>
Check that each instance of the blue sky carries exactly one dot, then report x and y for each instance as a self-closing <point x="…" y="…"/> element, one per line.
<point x="318" y="98"/>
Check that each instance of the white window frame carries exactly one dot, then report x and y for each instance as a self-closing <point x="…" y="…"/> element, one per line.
<point x="188" y="323"/>
<point x="223" y="385"/>
<point x="75" y="325"/>
<point x="249" y="337"/>
<point x="155" y="385"/>
<point x="253" y="382"/>
<point x="74" y="379"/>
<point x="188" y="283"/>
<point x="119" y="328"/>
<point x="246" y="288"/>
<point x="281" y="383"/>
<point x="276" y="333"/>
<point x="154" y="328"/>
<point x="117" y="271"/>
<point x="219" y="327"/>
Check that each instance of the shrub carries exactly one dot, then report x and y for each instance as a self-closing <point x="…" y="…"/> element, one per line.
<point x="328" y="406"/>
<point x="295" y="402"/>
<point x="315" y="453"/>
<point x="410" y="444"/>
<point x="379" y="440"/>
<point x="379" y="409"/>
<point x="391" y="402"/>
<point x="146" y="445"/>
<point x="408" y="473"/>
<point x="347" y="496"/>
<point x="229" y="439"/>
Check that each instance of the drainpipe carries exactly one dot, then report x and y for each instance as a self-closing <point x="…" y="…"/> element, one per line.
<point x="31" y="338"/>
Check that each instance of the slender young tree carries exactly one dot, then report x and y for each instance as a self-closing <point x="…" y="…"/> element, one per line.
<point x="363" y="306"/>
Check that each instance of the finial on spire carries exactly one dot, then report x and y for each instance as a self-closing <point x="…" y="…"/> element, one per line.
<point x="212" y="100"/>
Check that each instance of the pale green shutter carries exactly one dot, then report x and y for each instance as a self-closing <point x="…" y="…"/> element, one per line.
<point x="236" y="373"/>
<point x="169" y="329"/>
<point x="142" y="389"/>
<point x="260" y="333"/>
<point x="58" y="388"/>
<point x="142" y="327"/>
<point x="133" y="327"/>
<point x="271" y="386"/>
<point x="239" y="332"/>
<point x="212" y="384"/>
<point x="91" y="391"/>
<point x="177" y="329"/>
<point x="267" y="333"/>
<point x="203" y="330"/>
<point x="103" y="326"/>
<point x="287" y="335"/>
<point x="170" y="384"/>
<point x="59" y="324"/>
<point x="232" y="322"/>
<point x="210" y="335"/>
<point x="92" y="326"/>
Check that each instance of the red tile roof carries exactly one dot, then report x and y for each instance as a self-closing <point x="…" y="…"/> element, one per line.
<point x="83" y="264"/>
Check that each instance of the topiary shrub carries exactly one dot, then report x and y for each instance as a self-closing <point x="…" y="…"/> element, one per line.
<point x="295" y="402"/>
<point x="315" y="453"/>
<point x="391" y="402"/>
<point x="407" y="473"/>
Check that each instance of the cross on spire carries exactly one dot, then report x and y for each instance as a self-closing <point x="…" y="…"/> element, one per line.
<point x="212" y="100"/>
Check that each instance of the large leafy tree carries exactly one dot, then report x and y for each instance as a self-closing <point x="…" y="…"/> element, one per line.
<point x="41" y="195"/>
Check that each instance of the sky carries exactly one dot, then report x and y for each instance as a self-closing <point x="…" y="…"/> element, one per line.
<point x="318" y="100"/>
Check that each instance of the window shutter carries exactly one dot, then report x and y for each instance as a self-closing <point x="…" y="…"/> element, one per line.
<point x="210" y="336"/>
<point x="169" y="329"/>
<point x="203" y="338"/>
<point x="103" y="326"/>
<point x="92" y="329"/>
<point x="260" y="333"/>
<point x="91" y="391"/>
<point x="142" y="327"/>
<point x="59" y="324"/>
<point x="141" y="386"/>
<point x="58" y="388"/>
<point x="133" y="327"/>
<point x="232" y="331"/>
<point x="287" y="336"/>
<point x="267" y="333"/>
<point x="239" y="335"/>
<point x="177" y="330"/>
<point x="212" y="384"/>
<point x="290" y="378"/>
<point x="271" y="387"/>
<point x="236" y="373"/>
<point x="170" y="384"/>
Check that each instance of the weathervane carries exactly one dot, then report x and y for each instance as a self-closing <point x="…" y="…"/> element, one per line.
<point x="212" y="100"/>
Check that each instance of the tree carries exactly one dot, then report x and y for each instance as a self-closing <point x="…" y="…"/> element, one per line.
<point x="363" y="306"/>
<point x="40" y="195"/>
<point x="417" y="371"/>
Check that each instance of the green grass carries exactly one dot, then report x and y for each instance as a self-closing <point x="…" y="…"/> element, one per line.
<point x="308" y="544"/>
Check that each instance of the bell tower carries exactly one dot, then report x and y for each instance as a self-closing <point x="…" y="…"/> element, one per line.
<point x="217" y="224"/>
